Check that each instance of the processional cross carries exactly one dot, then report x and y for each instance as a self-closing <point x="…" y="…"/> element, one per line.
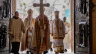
<point x="41" y="6"/>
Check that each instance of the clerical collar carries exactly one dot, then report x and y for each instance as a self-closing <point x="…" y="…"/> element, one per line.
<point x="15" y="17"/>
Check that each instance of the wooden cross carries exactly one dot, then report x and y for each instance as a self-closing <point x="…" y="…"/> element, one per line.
<point x="41" y="6"/>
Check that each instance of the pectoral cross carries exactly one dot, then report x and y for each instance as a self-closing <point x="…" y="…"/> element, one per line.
<point x="41" y="6"/>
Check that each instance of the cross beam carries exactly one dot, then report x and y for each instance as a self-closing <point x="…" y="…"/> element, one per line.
<point x="41" y="6"/>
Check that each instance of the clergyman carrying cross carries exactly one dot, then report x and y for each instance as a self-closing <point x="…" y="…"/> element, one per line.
<point x="42" y="32"/>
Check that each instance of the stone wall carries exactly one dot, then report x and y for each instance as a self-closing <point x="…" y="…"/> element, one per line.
<point x="80" y="18"/>
<point x="5" y="21"/>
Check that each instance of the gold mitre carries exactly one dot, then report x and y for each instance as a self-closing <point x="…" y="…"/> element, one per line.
<point x="30" y="11"/>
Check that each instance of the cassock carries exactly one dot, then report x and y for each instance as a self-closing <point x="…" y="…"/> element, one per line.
<point x="28" y="36"/>
<point x="16" y="27"/>
<point x="41" y="39"/>
<point x="58" y="32"/>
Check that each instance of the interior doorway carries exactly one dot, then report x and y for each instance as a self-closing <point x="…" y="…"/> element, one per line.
<point x="76" y="12"/>
<point x="66" y="9"/>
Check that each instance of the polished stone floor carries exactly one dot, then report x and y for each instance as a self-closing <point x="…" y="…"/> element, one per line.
<point x="5" y="51"/>
<point x="51" y="52"/>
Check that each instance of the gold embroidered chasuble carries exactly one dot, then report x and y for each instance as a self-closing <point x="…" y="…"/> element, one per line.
<point x="42" y="34"/>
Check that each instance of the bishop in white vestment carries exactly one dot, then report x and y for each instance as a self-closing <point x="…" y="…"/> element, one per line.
<point x="29" y="25"/>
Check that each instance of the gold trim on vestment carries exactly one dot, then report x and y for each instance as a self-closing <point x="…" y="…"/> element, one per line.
<point x="60" y="34"/>
<point x="57" y="46"/>
<point x="59" y="51"/>
<point x="56" y="33"/>
<point x="58" y="37"/>
<point x="29" y="36"/>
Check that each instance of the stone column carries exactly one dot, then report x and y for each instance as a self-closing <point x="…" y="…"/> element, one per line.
<point x="72" y="24"/>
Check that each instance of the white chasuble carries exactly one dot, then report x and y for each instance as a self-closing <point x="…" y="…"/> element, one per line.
<point x="28" y="36"/>
<point x="67" y="39"/>
<point x="58" y="31"/>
